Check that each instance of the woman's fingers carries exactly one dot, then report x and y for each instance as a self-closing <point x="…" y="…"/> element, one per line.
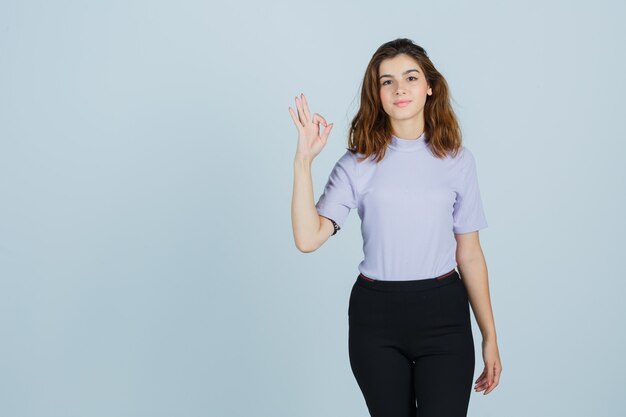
<point x="480" y="386"/>
<point x="306" y="106"/>
<point x="301" y="112"/>
<point x="496" y="378"/>
<point x="295" y="119"/>
<point x="489" y="379"/>
<point x="303" y="118"/>
<point x="481" y="377"/>
<point x="491" y="388"/>
<point x="326" y="132"/>
<point x="489" y="374"/>
<point x="317" y="119"/>
<point x="481" y="382"/>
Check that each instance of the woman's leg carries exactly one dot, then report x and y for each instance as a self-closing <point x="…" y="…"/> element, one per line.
<point x="383" y="372"/>
<point x="444" y="361"/>
<point x="378" y="355"/>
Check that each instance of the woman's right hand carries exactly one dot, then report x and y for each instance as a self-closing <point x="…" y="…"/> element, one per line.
<point x="310" y="142"/>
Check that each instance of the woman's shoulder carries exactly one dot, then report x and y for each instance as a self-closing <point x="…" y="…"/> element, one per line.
<point x="463" y="155"/>
<point x="353" y="158"/>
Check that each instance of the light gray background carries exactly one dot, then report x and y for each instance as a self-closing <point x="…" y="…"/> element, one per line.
<point x="147" y="263"/>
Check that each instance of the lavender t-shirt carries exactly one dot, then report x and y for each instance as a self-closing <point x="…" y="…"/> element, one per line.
<point x="411" y="205"/>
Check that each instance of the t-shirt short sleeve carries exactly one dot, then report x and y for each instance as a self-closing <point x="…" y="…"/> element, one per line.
<point x="340" y="194"/>
<point x="468" y="213"/>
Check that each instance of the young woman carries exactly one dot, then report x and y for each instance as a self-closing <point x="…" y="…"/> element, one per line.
<point x="415" y="187"/>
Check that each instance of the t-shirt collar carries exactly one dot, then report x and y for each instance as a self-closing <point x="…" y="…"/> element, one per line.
<point x="408" y="145"/>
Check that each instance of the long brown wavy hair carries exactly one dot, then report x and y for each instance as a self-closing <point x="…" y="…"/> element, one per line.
<point x="370" y="130"/>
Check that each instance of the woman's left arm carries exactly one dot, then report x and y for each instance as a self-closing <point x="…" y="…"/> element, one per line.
<point x="473" y="271"/>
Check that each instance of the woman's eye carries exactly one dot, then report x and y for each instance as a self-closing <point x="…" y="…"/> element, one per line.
<point x="385" y="82"/>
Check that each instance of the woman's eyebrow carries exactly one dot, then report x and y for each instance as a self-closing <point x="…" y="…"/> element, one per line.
<point x="405" y="72"/>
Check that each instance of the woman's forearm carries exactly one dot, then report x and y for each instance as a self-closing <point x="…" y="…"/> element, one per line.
<point x="304" y="217"/>
<point x="475" y="277"/>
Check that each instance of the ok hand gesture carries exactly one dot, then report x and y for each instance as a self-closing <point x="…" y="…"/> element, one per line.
<point x="310" y="141"/>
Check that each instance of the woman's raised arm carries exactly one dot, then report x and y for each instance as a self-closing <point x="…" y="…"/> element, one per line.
<point x="310" y="230"/>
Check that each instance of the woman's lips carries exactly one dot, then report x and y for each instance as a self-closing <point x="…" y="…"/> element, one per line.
<point x="402" y="103"/>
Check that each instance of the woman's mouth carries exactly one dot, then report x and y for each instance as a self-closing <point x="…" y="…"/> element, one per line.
<point x="402" y="103"/>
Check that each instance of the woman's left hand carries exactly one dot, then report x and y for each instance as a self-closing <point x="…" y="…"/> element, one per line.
<point x="491" y="374"/>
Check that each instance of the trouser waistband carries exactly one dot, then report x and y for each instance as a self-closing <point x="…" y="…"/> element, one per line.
<point x="410" y="285"/>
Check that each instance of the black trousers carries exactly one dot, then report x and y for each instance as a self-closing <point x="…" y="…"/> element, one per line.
<point x="411" y="347"/>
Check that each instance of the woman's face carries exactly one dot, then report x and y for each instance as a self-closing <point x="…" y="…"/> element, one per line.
<point x="402" y="79"/>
